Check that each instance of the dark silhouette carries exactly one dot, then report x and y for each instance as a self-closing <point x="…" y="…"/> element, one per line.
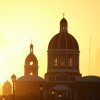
<point x="63" y="80"/>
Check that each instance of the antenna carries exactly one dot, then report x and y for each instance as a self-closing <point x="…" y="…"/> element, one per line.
<point x="89" y="56"/>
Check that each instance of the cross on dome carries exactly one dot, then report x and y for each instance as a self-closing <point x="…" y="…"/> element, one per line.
<point x="63" y="15"/>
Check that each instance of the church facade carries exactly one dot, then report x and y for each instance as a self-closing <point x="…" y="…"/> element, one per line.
<point x="63" y="80"/>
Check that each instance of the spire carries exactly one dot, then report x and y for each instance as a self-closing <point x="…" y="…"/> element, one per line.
<point x="31" y="47"/>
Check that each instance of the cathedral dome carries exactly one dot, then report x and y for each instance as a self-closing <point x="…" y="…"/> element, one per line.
<point x="63" y="53"/>
<point x="63" y="41"/>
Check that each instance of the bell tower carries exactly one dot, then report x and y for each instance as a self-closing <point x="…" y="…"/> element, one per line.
<point x="31" y="63"/>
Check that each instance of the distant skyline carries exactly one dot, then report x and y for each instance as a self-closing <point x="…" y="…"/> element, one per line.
<point x="38" y="20"/>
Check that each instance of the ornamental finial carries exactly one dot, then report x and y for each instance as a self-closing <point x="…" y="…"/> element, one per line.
<point x="63" y="15"/>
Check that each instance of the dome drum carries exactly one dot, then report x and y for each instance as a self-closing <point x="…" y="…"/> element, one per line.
<point x="63" y="60"/>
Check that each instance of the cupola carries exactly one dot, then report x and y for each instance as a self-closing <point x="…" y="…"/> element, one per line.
<point x="63" y="25"/>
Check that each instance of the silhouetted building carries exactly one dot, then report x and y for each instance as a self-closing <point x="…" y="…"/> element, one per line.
<point x="63" y="80"/>
<point x="7" y="88"/>
<point x="28" y="85"/>
<point x="31" y="63"/>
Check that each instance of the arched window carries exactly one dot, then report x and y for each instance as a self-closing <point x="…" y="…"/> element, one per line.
<point x="55" y="61"/>
<point x="31" y="73"/>
<point x="31" y="63"/>
<point x="62" y="61"/>
<point x="70" y="62"/>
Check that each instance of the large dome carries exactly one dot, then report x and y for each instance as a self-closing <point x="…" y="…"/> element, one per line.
<point x="63" y="41"/>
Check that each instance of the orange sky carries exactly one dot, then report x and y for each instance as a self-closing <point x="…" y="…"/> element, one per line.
<point x="38" y="20"/>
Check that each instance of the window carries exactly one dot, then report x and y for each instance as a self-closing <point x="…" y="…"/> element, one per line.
<point x="70" y="62"/>
<point x="31" y="63"/>
<point x="55" y="61"/>
<point x="61" y="78"/>
<point x="62" y="61"/>
<point x="31" y="73"/>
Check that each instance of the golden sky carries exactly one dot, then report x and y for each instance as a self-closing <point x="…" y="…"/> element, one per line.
<point x="38" y="20"/>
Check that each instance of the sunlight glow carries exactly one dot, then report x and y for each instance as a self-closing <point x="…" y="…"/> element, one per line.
<point x="24" y="20"/>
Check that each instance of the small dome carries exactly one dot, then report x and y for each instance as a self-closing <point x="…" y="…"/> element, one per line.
<point x="63" y="26"/>
<point x="63" y="41"/>
<point x="31" y="57"/>
<point x="31" y="45"/>
<point x="63" y="20"/>
<point x="30" y="78"/>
